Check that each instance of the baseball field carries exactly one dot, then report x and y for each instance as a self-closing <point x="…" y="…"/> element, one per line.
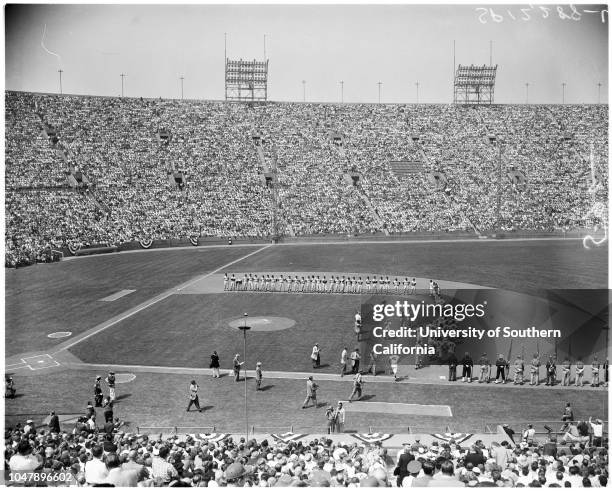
<point x="154" y="317"/>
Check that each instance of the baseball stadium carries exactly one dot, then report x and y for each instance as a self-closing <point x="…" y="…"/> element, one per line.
<point x="162" y="253"/>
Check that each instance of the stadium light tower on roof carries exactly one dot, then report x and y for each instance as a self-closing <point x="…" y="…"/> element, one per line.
<point x="246" y="81"/>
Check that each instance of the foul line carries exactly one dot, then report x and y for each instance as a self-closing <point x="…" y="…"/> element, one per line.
<point x="114" y="320"/>
<point x="327" y="377"/>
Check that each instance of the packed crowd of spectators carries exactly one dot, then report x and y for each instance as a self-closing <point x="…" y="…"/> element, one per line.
<point x="91" y="458"/>
<point x="116" y="144"/>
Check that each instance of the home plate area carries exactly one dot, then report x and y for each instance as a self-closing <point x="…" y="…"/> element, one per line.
<point x="397" y="408"/>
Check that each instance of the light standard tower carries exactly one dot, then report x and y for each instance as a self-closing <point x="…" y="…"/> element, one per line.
<point x="304" y="89"/>
<point x="379" y="85"/>
<point x="526" y="92"/>
<point x="341" y="90"/>
<point x="182" y="78"/>
<point x="599" y="93"/>
<point x="563" y="96"/>
<point x="122" y="75"/>
<point x="417" y="88"/>
<point x="244" y="328"/>
<point x="60" y="71"/>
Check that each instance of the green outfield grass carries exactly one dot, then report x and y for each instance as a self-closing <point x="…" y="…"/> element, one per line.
<point x="161" y="399"/>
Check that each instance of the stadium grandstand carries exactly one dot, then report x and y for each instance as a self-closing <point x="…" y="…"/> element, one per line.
<point x="94" y="172"/>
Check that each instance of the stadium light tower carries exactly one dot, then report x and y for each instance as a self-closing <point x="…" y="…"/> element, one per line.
<point x="182" y="78"/>
<point x="563" y="92"/>
<point x="379" y="85"/>
<point x="304" y="90"/>
<point x="244" y="328"/>
<point x="526" y="92"/>
<point x="60" y="78"/>
<point x="341" y="90"/>
<point x="122" y="76"/>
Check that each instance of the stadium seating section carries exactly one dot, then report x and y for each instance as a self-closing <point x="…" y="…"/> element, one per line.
<point x="131" y="196"/>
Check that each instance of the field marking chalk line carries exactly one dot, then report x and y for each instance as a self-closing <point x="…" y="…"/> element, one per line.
<point x="152" y="301"/>
<point x="328" y="377"/>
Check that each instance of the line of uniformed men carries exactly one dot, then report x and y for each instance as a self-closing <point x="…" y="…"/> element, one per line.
<point x="319" y="284"/>
<point x="503" y="370"/>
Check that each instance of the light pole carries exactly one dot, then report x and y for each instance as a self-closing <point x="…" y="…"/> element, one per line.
<point x="417" y="86"/>
<point x="526" y="92"/>
<point x="563" y="86"/>
<point x="379" y="85"/>
<point x="60" y="77"/>
<point x="341" y="90"/>
<point x="122" y="75"/>
<point x="182" y="78"/>
<point x="599" y="93"/>
<point x="244" y="328"/>
<point x="304" y="89"/>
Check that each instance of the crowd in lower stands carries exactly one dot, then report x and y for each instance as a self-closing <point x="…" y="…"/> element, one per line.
<point x="128" y="151"/>
<point x="113" y="458"/>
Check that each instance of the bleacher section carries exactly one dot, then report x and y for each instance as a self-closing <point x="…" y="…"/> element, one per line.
<point x="116" y="144"/>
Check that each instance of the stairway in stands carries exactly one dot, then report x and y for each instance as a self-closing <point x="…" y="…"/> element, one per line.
<point x="344" y="155"/>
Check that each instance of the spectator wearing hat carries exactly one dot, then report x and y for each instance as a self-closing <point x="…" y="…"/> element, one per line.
<point x="29" y="427"/>
<point x="413" y="468"/>
<point x="258" y="376"/>
<point x="110" y="380"/>
<point x="214" y="364"/>
<point x="529" y="434"/>
<point x="193" y="397"/>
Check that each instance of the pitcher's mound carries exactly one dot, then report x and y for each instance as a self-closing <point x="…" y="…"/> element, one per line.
<point x="263" y="323"/>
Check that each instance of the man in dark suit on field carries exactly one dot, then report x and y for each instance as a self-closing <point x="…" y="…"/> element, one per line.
<point x="54" y="425"/>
